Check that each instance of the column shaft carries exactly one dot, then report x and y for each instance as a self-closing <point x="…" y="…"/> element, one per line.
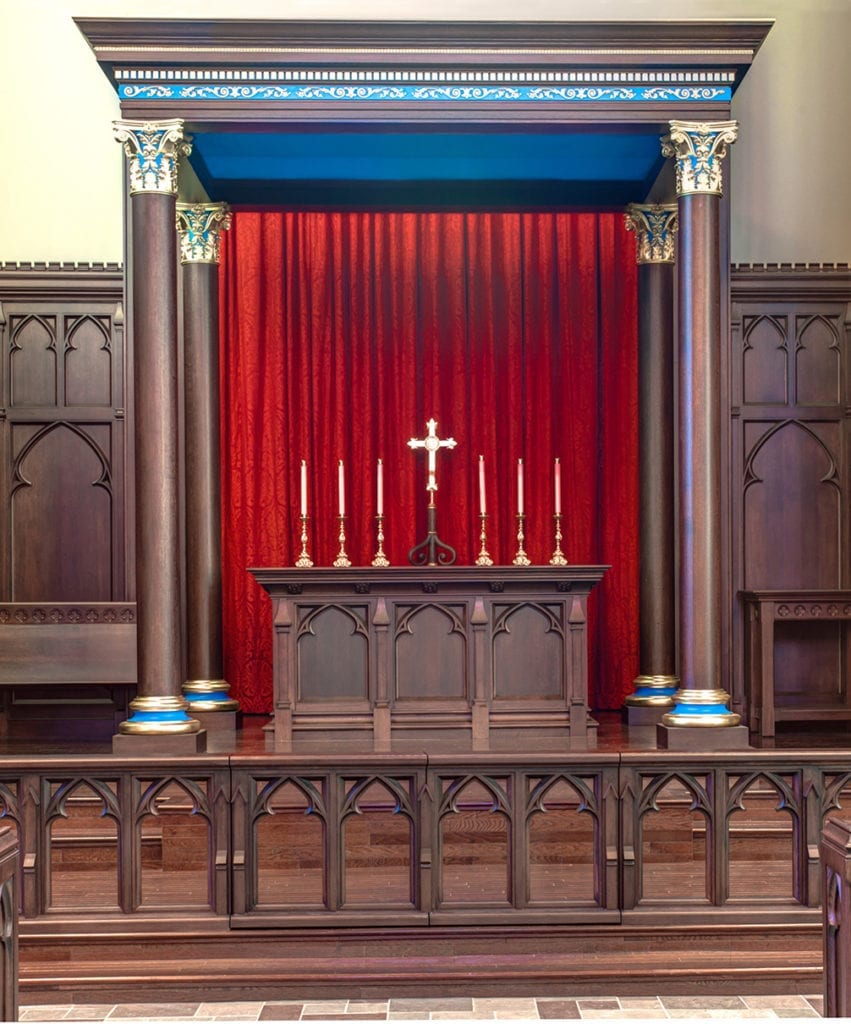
<point x="657" y="638"/>
<point x="203" y="488"/>
<point x="156" y="440"/>
<point x="699" y="448"/>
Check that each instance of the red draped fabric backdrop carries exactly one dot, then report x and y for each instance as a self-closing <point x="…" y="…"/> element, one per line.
<point x="343" y="333"/>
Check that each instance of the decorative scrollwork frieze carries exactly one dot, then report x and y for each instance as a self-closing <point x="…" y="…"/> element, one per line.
<point x="52" y="615"/>
<point x="814" y="610"/>
<point x="699" y="148"/>
<point x="154" y="149"/>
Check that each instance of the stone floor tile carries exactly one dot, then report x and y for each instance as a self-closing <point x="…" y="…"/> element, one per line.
<point x="521" y="1008"/>
<point x="241" y="1009"/>
<point x="720" y="1014"/>
<point x="367" y="1006"/>
<point x="703" y="1002"/>
<point x="175" y="1011"/>
<point x="461" y="1015"/>
<point x="42" y="1012"/>
<point x="91" y="1012"/>
<point x="558" y="1009"/>
<point x="343" y="1016"/>
<point x="797" y="1013"/>
<point x="623" y="1014"/>
<point x="817" y="1003"/>
<point x="404" y="1015"/>
<point x="316" y="1007"/>
<point x="597" y="1004"/>
<point x="432" y="1005"/>
<point x="640" y="1003"/>
<point x="280" y="1011"/>
<point x="773" y="1002"/>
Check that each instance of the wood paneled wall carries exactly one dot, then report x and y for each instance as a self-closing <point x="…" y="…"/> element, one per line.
<point x="64" y="407"/>
<point x="790" y="381"/>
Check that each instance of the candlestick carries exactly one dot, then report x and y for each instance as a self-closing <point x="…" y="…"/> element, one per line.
<point x="380" y="561"/>
<point x="303" y="488"/>
<point x="341" y="488"/>
<point x="482" y="504"/>
<point x="342" y="559"/>
<point x="380" y="489"/>
<point x="557" y="485"/>
<point x="521" y="558"/>
<point x="558" y="555"/>
<point x="483" y="557"/>
<point x="519" y="487"/>
<point x="303" y="561"/>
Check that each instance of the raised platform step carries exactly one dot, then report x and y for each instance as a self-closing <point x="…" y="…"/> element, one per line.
<point x="230" y="966"/>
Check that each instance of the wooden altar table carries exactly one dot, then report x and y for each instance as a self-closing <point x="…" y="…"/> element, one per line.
<point x="490" y="659"/>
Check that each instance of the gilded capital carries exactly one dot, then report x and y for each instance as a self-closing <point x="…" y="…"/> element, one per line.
<point x="154" y="149"/>
<point x="654" y="226"/>
<point x="699" y="149"/>
<point x="200" y="227"/>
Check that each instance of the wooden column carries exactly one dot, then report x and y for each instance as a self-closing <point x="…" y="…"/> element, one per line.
<point x="700" y="704"/>
<point x="9" y="899"/>
<point x="159" y="710"/>
<point x="654" y="228"/>
<point x="199" y="227"/>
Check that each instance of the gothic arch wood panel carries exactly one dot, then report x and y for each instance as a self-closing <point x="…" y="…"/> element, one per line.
<point x="818" y="361"/>
<point x="61" y="515"/>
<point x="765" y="357"/>
<point x="32" y="361"/>
<point x="533" y="661"/>
<point x="792" y="511"/>
<point x="431" y="653"/>
<point x="333" y="652"/>
<point x="87" y="361"/>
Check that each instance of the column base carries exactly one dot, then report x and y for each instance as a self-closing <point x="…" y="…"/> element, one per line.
<point x="209" y="695"/>
<point x="672" y="737"/>
<point x="159" y="744"/>
<point x="653" y="692"/>
<point x="644" y="717"/>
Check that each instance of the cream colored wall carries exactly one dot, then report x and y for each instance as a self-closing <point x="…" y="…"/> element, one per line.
<point x="61" y="173"/>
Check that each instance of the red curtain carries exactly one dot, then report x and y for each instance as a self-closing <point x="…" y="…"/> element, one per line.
<point x="343" y="333"/>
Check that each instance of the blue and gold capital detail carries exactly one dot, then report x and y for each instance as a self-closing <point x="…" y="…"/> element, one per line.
<point x="159" y="715"/>
<point x="153" y="150"/>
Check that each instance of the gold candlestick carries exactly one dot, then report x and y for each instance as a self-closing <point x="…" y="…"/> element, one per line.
<point x="558" y="555"/>
<point x="380" y="561"/>
<point x="484" y="558"/>
<point x="521" y="558"/>
<point x="304" y="560"/>
<point x="342" y="559"/>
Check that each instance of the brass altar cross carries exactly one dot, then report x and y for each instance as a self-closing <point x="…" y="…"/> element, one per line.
<point x="432" y="443"/>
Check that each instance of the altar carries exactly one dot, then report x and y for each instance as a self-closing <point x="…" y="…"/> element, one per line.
<point x="476" y="658"/>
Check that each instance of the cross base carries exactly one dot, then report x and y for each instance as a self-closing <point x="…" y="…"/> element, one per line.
<point x="432" y="551"/>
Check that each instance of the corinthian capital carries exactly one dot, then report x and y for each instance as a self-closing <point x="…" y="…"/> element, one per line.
<point x="154" y="148"/>
<point x="699" y="149"/>
<point x="200" y="226"/>
<point x="654" y="227"/>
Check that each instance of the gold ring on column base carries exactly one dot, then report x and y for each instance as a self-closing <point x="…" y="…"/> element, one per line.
<point x="702" y="721"/>
<point x="647" y="700"/>
<point x="717" y="720"/>
<point x="159" y="704"/>
<point x="194" y="691"/>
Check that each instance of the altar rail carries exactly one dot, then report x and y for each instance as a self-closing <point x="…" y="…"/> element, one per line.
<point x="419" y="841"/>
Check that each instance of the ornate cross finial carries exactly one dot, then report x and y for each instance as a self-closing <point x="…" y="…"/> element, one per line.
<point x="699" y="148"/>
<point x="432" y="443"/>
<point x="654" y="226"/>
<point x="200" y="226"/>
<point x="154" y="148"/>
